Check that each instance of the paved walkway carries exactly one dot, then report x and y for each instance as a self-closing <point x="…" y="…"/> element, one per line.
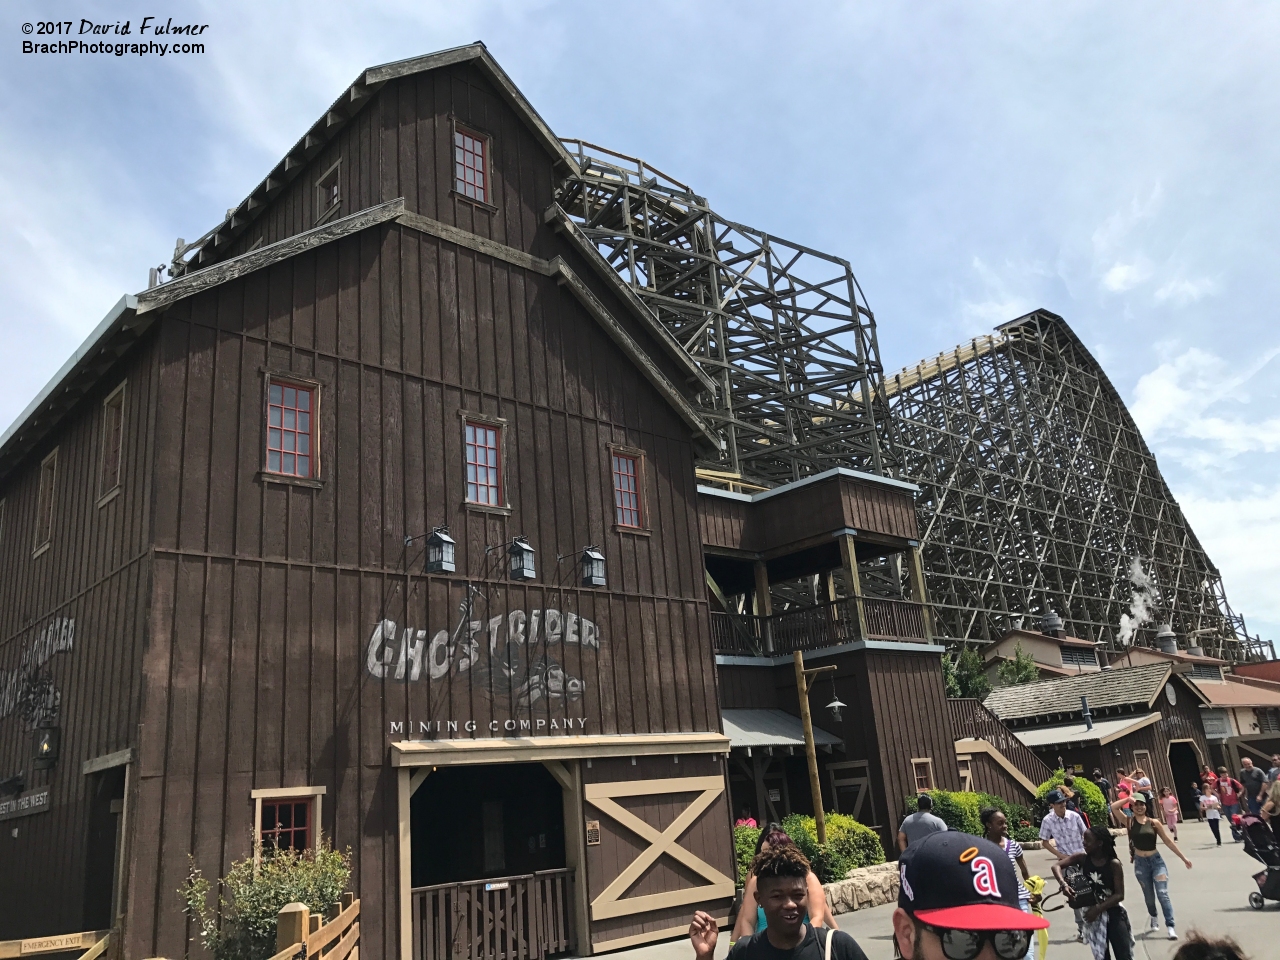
<point x="1212" y="898"/>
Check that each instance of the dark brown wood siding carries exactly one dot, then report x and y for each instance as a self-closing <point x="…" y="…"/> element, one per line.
<point x="269" y="596"/>
<point x="709" y="838"/>
<point x="907" y="694"/>
<point x="399" y="145"/>
<point x="815" y="510"/>
<point x="750" y="688"/>
<point x="84" y="602"/>
<point x="988" y="776"/>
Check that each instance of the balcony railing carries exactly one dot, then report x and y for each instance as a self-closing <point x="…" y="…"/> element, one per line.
<point x="824" y="625"/>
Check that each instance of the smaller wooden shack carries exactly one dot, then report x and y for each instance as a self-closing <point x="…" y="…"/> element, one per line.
<point x="1147" y="716"/>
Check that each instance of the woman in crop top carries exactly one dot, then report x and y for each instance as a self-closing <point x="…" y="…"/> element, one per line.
<point x="1148" y="865"/>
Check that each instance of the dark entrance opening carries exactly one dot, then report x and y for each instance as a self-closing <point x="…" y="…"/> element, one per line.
<point x="106" y="802"/>
<point x="1185" y="766"/>
<point x="470" y="823"/>
<point x="490" y="880"/>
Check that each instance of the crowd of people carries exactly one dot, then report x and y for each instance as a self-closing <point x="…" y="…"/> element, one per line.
<point x="963" y="897"/>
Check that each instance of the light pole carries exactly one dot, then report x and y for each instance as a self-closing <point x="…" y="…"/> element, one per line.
<point x="810" y="748"/>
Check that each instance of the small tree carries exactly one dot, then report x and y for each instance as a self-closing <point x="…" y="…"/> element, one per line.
<point x="1021" y="669"/>
<point x="949" y="677"/>
<point x="242" y="924"/>
<point x="969" y="675"/>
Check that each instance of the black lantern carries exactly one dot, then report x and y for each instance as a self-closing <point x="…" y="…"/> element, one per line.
<point x="441" y="551"/>
<point x="592" y="567"/>
<point x="47" y="739"/>
<point x="521" y="559"/>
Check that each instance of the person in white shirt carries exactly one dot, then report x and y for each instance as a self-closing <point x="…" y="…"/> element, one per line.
<point x="1063" y="833"/>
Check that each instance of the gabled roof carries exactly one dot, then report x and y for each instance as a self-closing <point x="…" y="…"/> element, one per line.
<point x="1107" y="688"/>
<point x="342" y="110"/>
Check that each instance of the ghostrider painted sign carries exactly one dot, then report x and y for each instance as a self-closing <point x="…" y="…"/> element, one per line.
<point x="510" y="655"/>
<point x="24" y="688"/>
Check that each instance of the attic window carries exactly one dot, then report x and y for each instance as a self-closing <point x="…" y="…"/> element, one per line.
<point x="470" y="164"/>
<point x="328" y="193"/>
<point x="1206" y="671"/>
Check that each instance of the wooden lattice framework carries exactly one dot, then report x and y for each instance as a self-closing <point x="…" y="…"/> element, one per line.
<point x="1039" y="492"/>
<point x="782" y="332"/>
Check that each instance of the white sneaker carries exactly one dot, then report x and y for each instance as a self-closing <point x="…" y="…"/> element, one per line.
<point x="1153" y="924"/>
<point x="1173" y="934"/>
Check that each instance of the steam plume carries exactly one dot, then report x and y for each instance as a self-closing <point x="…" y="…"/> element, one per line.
<point x="1141" y="607"/>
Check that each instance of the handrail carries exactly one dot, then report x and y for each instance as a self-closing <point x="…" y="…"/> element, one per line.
<point x="295" y="922"/>
<point x="821" y="625"/>
<point x="469" y="883"/>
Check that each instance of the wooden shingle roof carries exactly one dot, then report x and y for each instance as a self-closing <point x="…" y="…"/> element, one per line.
<point x="1109" y="688"/>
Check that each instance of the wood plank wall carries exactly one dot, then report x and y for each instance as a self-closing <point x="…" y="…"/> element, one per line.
<point x="908" y="700"/>
<point x="95" y="573"/>
<point x="400" y="145"/>
<point x="710" y="838"/>
<point x="990" y="777"/>
<point x="827" y="506"/>
<point x="269" y="593"/>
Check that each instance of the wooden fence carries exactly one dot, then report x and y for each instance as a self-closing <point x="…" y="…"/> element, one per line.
<point x="512" y="918"/>
<point x="301" y="934"/>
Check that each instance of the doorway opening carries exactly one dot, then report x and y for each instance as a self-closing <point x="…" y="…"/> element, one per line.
<point x="102" y="850"/>
<point x="473" y="823"/>
<point x="1184" y="763"/>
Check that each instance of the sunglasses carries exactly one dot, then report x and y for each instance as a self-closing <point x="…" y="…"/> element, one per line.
<point x="967" y="944"/>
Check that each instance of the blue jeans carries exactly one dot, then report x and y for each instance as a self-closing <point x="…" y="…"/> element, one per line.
<point x="1153" y="877"/>
<point x="1229" y="810"/>
<point x="1031" y="947"/>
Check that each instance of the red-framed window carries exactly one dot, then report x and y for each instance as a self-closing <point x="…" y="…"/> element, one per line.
<point x="287" y="824"/>
<point x="626" y="490"/>
<point x="484" y="463"/>
<point x="469" y="167"/>
<point x="291" y="430"/>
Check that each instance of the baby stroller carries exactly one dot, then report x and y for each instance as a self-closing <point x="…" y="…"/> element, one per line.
<point x="1260" y="843"/>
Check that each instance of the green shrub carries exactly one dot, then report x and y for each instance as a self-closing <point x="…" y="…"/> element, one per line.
<point x="744" y="849"/>
<point x="1091" y="798"/>
<point x="850" y="844"/>
<point x="961" y="810"/>
<point x="250" y="902"/>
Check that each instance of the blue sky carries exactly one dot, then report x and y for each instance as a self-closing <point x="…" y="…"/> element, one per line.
<point x="1116" y="164"/>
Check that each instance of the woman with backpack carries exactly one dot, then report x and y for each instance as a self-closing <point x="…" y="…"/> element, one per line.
<point x="1094" y="881"/>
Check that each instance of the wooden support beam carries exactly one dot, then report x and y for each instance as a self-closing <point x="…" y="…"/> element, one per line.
<point x="763" y="602"/>
<point x="919" y="591"/>
<point x="849" y="561"/>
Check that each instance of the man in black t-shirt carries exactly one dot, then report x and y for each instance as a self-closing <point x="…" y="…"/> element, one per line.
<point x="781" y="891"/>
<point x="958" y="900"/>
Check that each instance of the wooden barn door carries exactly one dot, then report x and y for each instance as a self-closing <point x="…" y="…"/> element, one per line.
<point x="658" y="850"/>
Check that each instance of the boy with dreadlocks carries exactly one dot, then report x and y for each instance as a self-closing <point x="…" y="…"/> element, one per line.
<point x="781" y="874"/>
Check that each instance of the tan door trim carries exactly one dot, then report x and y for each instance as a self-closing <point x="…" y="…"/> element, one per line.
<point x="603" y="797"/>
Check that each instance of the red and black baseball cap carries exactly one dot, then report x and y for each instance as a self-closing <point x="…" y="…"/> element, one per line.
<point x="962" y="882"/>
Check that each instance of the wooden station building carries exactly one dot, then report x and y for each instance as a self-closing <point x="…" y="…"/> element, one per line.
<point x="227" y="617"/>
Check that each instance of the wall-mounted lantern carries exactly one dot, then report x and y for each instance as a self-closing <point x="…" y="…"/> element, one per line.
<point x="521" y="559"/>
<point x="47" y="740"/>
<point x="441" y="551"/>
<point x="592" y="567"/>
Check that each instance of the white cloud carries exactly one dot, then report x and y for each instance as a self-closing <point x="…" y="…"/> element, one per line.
<point x="1126" y="276"/>
<point x="1182" y="291"/>
<point x="1240" y="533"/>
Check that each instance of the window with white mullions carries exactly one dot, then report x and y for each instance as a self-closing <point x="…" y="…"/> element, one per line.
<point x="484" y="464"/>
<point x="291" y="430"/>
<point x="626" y="490"/>
<point x="469" y="165"/>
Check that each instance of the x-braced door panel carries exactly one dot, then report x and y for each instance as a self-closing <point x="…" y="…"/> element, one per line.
<point x="604" y="797"/>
